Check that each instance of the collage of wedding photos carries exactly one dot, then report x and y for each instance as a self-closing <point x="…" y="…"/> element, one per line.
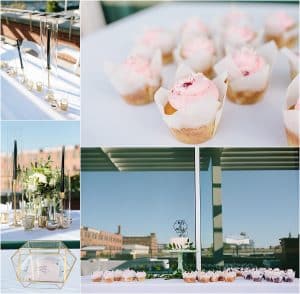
<point x="149" y="146"/>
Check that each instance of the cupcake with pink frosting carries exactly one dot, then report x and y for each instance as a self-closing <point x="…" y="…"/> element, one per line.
<point x="230" y="277"/>
<point x="118" y="275"/>
<point x="249" y="72"/>
<point x="137" y="78"/>
<point x="97" y="276"/>
<point x="198" y="53"/>
<point x="291" y="113"/>
<point x="192" y="108"/>
<point x="154" y="39"/>
<point x="194" y="27"/>
<point x="128" y="276"/>
<point x="140" y="276"/>
<point x="282" y="29"/>
<point x="189" y="277"/>
<point x="108" y="276"/>
<point x="235" y="37"/>
<point x="204" y="277"/>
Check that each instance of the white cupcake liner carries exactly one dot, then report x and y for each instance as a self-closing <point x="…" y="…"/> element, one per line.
<point x="293" y="59"/>
<point x="128" y="82"/>
<point x="197" y="114"/>
<point x="254" y="82"/>
<point x="291" y="116"/>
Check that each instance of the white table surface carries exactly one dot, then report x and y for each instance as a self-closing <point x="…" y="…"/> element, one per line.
<point x="9" y="284"/>
<point x="108" y="121"/>
<point x="179" y="286"/>
<point x="18" y="103"/>
<point x="19" y="234"/>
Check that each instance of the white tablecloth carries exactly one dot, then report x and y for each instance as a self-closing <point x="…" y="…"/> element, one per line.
<point x="18" y="103"/>
<point x="109" y="121"/>
<point x="9" y="284"/>
<point x="179" y="286"/>
<point x="19" y="234"/>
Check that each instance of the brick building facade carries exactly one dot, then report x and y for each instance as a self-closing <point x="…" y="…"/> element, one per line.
<point x="113" y="242"/>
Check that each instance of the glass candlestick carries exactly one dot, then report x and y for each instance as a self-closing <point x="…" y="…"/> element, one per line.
<point x="48" y="35"/>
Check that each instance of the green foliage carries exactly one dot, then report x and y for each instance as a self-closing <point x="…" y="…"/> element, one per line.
<point x="41" y="178"/>
<point x="52" y="6"/>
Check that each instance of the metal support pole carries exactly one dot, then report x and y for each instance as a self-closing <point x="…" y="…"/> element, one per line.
<point x="217" y="211"/>
<point x="198" y="208"/>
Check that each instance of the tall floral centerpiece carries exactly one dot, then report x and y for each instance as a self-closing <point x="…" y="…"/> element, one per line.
<point x="41" y="183"/>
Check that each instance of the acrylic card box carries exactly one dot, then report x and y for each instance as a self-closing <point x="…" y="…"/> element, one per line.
<point x="44" y="263"/>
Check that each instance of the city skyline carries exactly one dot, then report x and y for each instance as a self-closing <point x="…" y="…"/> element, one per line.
<point x="268" y="187"/>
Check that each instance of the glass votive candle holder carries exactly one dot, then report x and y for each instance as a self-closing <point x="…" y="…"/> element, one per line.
<point x="42" y="221"/>
<point x="28" y="222"/>
<point x="29" y="85"/>
<point x="51" y="225"/>
<point x="39" y="86"/>
<point x="4" y="217"/>
<point x="64" y="104"/>
<point x="49" y="96"/>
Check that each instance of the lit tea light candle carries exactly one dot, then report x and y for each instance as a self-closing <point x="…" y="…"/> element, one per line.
<point x="39" y="86"/>
<point x="64" y="104"/>
<point x="49" y="96"/>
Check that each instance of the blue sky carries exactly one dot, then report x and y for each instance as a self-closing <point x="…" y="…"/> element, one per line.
<point x="38" y="134"/>
<point x="263" y="204"/>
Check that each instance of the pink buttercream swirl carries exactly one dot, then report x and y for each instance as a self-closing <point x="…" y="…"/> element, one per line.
<point x="139" y="65"/>
<point x="191" y="90"/>
<point x="248" y="61"/>
<point x="282" y="19"/>
<point x="244" y="33"/>
<point x="194" y="25"/>
<point x="193" y="46"/>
